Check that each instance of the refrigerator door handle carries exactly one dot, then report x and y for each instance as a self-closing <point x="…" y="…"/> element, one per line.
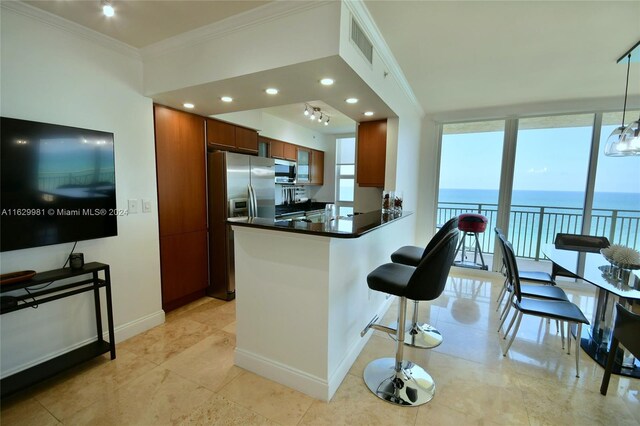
<point x="253" y="205"/>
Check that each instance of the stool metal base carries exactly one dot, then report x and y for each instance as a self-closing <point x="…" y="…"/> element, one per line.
<point x="422" y="336"/>
<point x="411" y="386"/>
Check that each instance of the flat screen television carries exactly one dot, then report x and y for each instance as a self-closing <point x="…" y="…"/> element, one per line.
<point x="57" y="184"/>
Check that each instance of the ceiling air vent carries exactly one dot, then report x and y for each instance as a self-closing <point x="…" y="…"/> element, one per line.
<point x="361" y="40"/>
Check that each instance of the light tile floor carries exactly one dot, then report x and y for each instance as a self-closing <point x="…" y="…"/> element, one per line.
<point x="182" y="372"/>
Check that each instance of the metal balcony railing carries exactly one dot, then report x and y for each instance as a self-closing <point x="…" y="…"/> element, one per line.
<point x="531" y="227"/>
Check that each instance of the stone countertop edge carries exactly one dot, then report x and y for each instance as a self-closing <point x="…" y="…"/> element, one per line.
<point x="360" y="224"/>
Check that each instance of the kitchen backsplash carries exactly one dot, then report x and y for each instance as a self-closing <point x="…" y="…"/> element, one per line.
<point x="285" y="193"/>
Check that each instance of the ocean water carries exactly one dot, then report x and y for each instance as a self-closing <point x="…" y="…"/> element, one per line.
<point x="525" y="223"/>
<point x="602" y="200"/>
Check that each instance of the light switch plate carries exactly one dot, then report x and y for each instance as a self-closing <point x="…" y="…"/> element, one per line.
<point x="132" y="206"/>
<point x="146" y="206"/>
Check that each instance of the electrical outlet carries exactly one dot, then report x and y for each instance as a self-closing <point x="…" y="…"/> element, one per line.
<point x="146" y="206"/>
<point x="132" y="206"/>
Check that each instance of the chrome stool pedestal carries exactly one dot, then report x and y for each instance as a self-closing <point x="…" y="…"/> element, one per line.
<point x="396" y="380"/>
<point x="419" y="335"/>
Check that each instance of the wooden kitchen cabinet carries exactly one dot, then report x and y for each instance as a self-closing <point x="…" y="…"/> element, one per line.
<point x="290" y="152"/>
<point x="229" y="137"/>
<point x="283" y="150"/>
<point x="221" y="133"/>
<point x="276" y="149"/>
<point x="182" y="210"/>
<point x="372" y="152"/>
<point x="317" y="168"/>
<point x="246" y="140"/>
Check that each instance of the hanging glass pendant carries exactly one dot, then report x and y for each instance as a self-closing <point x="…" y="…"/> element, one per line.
<point x="614" y="146"/>
<point x="631" y="138"/>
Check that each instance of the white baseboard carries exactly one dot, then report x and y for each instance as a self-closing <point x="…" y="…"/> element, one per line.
<point x="137" y="326"/>
<point x="122" y="332"/>
<point x="311" y="385"/>
<point x="299" y="380"/>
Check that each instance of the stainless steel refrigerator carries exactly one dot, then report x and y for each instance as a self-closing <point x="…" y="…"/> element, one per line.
<point x="239" y="185"/>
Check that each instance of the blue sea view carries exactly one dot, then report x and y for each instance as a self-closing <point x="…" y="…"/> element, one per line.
<point x="537" y="216"/>
<point x="602" y="200"/>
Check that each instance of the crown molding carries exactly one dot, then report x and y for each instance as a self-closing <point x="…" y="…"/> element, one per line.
<point x="362" y="14"/>
<point x="269" y="12"/>
<point x="70" y="27"/>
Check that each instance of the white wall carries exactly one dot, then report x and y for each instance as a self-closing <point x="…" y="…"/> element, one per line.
<point x="52" y="75"/>
<point x="405" y="134"/>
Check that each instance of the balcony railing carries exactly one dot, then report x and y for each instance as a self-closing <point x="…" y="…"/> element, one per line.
<point x="531" y="227"/>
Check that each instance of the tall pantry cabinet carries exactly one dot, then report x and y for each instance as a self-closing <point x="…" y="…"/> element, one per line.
<point x="182" y="209"/>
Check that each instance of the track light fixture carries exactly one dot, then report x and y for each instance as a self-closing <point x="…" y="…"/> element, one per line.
<point x="315" y="113"/>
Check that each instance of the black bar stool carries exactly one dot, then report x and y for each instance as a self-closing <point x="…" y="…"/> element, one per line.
<point x="418" y="335"/>
<point x="394" y="379"/>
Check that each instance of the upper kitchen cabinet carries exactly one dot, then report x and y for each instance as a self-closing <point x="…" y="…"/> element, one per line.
<point x="276" y="149"/>
<point x="229" y="137"/>
<point x="282" y="150"/>
<point x="372" y="151"/>
<point x="317" y="167"/>
<point x="246" y="140"/>
<point x="221" y="134"/>
<point x="290" y="152"/>
<point x="304" y="161"/>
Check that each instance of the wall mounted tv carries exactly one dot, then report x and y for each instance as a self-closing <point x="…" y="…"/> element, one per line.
<point x="58" y="184"/>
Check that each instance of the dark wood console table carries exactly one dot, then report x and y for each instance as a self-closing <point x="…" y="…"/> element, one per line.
<point x="48" y="291"/>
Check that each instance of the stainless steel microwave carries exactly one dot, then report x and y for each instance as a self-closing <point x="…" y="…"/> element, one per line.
<point x="285" y="171"/>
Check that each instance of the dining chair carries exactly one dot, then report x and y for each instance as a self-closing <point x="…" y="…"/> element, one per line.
<point x="539" y="277"/>
<point x="561" y="310"/>
<point x="626" y="330"/>
<point x="536" y="291"/>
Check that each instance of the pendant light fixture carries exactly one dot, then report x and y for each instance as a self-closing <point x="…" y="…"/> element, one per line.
<point x="624" y="141"/>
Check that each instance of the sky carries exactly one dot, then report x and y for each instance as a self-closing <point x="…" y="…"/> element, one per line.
<point x="554" y="159"/>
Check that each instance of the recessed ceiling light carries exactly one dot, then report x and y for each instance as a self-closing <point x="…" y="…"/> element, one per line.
<point x="226" y="99"/>
<point x="351" y="100"/>
<point x="368" y="113"/>
<point x="272" y="91"/>
<point x="326" y="81"/>
<point x="108" y="10"/>
<point x="188" y="105"/>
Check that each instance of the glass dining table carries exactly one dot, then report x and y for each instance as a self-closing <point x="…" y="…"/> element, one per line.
<point x="612" y="285"/>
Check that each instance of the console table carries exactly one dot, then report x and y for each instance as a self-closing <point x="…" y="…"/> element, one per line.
<point x="47" y="291"/>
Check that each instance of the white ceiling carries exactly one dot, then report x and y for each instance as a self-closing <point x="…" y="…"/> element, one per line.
<point x="457" y="56"/>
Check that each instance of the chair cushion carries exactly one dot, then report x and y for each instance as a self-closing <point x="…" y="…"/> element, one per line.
<point x="556" y="309"/>
<point x="543" y="292"/>
<point x="472" y="222"/>
<point x="540" y="276"/>
<point x="408" y="255"/>
<point x="391" y="278"/>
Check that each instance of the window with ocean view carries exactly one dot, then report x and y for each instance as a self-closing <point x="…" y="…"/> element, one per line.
<point x="470" y="169"/>
<point x="549" y="180"/>
<point x="616" y="199"/>
<point x="555" y="184"/>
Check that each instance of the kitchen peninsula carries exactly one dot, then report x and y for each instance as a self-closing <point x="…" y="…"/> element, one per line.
<point x="302" y="297"/>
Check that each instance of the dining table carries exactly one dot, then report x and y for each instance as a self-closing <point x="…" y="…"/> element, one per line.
<point x="612" y="284"/>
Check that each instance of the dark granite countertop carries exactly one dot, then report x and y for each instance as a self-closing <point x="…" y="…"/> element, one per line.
<point x="341" y="227"/>
<point x="307" y="206"/>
